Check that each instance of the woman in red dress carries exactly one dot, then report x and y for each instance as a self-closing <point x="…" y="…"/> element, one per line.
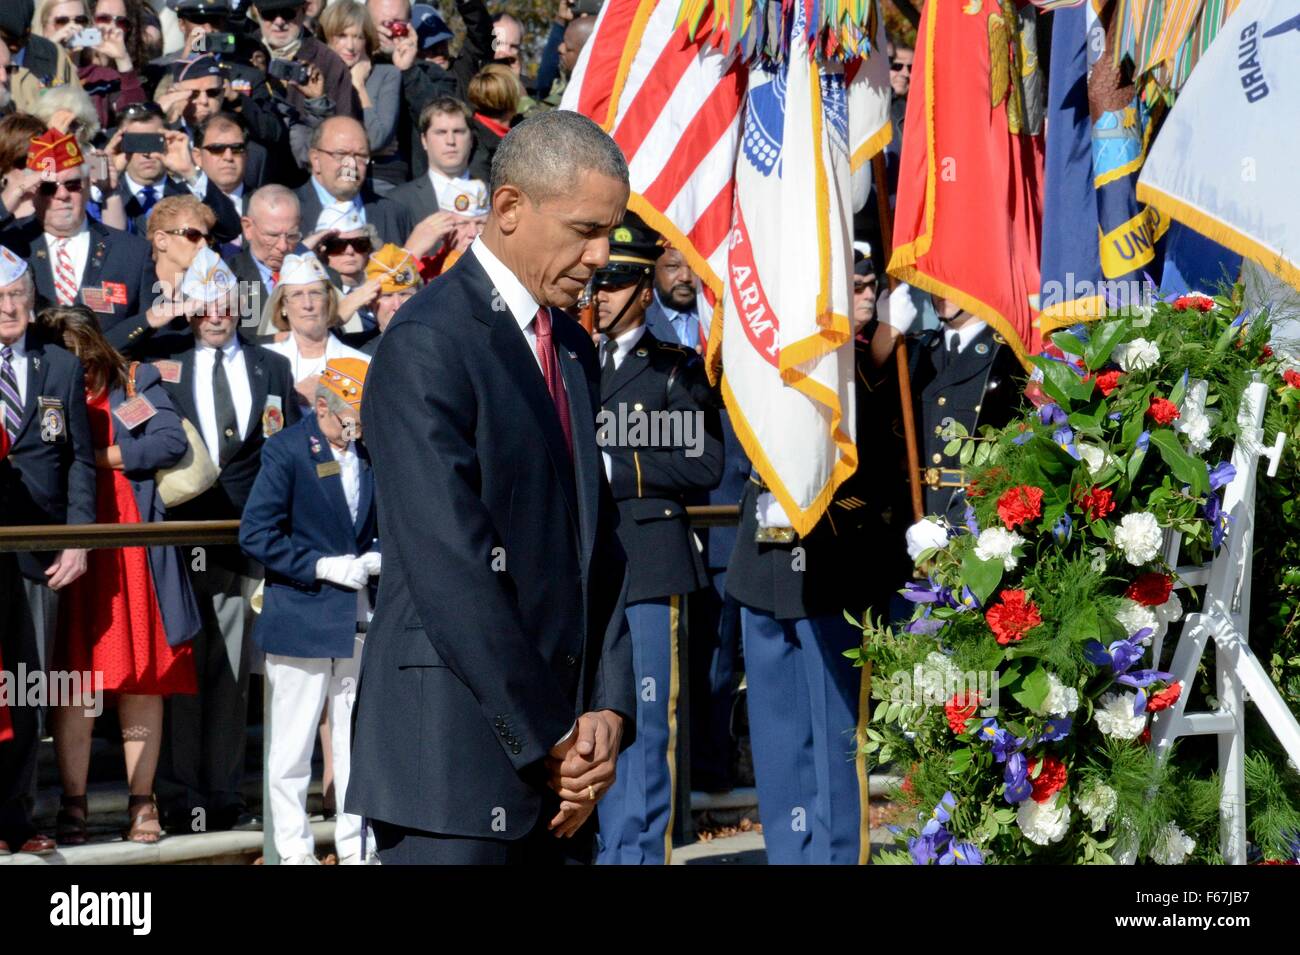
<point x="128" y="620"/>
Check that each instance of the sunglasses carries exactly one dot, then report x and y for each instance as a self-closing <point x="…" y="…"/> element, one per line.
<point x="337" y="245"/>
<point x="49" y="188"/>
<point x="205" y="19"/>
<point x="212" y="92"/>
<point x="108" y="20"/>
<point x="80" y="20"/>
<point x="190" y="234"/>
<point x="896" y="66"/>
<point x="220" y="149"/>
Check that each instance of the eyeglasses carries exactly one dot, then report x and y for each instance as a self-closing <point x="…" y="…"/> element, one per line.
<point x="337" y="245"/>
<point x="80" y="20"/>
<point x="899" y="67"/>
<point x="212" y="92"/>
<point x="220" y="149"/>
<point x="275" y="238"/>
<point x="190" y="234"/>
<point x="108" y="20"/>
<point x="339" y="155"/>
<point x="49" y="188"/>
<point x="861" y="285"/>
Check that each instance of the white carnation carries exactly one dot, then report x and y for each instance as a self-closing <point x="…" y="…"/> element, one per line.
<point x="1093" y="456"/>
<point x="1172" y="846"/>
<point x="1114" y="716"/>
<point x="1133" y="616"/>
<point x="997" y="543"/>
<point x="1171" y="611"/>
<point x="1193" y="422"/>
<point x="1097" y="803"/>
<point x="1137" y="355"/>
<point x="1044" y="822"/>
<point x="1061" y="700"/>
<point x="937" y="675"/>
<point x="1139" y="536"/>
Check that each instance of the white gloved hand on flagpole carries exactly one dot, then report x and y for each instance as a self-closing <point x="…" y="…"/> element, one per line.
<point x="899" y="311"/>
<point x="769" y="511"/>
<point x="923" y="535"/>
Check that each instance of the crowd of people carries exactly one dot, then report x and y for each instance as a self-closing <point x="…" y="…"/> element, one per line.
<point x="210" y="213"/>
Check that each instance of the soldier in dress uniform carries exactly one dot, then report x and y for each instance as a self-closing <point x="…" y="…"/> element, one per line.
<point x="660" y="435"/>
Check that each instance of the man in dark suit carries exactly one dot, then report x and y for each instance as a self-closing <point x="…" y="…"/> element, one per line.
<point x="496" y="686"/>
<point x="272" y="229"/>
<point x="48" y="477"/>
<point x="661" y="440"/>
<point x="74" y="259"/>
<point x="149" y="176"/>
<point x="340" y="153"/>
<point x="445" y="136"/>
<point x="237" y="395"/>
<point x="229" y="159"/>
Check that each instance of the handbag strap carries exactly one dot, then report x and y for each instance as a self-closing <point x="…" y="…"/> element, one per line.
<point x="130" y="379"/>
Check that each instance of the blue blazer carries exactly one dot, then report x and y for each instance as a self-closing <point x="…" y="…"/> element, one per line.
<point x="49" y="475"/>
<point x="294" y="516"/>
<point x="153" y="444"/>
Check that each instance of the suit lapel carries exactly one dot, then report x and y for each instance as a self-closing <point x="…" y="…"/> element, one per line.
<point x="37" y="367"/>
<point x="331" y="485"/>
<point x="366" y="496"/>
<point x="636" y="361"/>
<point x="188" y="400"/>
<point x="257" y="386"/>
<point x="964" y="370"/>
<point x="91" y="276"/>
<point x="585" y="452"/>
<point x="44" y="270"/>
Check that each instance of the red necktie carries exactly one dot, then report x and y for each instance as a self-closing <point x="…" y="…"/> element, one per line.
<point x="551" y="372"/>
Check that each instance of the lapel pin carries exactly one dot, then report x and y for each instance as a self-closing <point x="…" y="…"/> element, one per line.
<point x="641" y="353"/>
<point x="981" y="349"/>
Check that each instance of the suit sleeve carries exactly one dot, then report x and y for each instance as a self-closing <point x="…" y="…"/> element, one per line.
<point x="419" y="416"/>
<point x="81" y="470"/>
<point x="161" y="442"/>
<point x="670" y="471"/>
<point x="615" y="684"/>
<point x="264" y="533"/>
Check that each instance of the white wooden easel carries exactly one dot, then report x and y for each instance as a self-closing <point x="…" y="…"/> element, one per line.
<point x="1224" y="619"/>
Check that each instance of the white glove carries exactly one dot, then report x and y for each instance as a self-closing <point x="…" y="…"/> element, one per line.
<point x="900" y="312"/>
<point x="923" y="535"/>
<point x="370" y="562"/>
<point x="346" y="571"/>
<point x="769" y="511"/>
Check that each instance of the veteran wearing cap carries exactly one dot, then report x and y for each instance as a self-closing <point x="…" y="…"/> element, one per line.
<point x="76" y="260"/>
<point x="343" y="244"/>
<point x="48" y="477"/>
<point x="236" y="394"/>
<point x="310" y="521"/>
<point x="660" y="437"/>
<point x="399" y="279"/>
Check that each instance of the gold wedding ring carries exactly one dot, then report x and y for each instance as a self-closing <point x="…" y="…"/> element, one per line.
<point x="591" y="793"/>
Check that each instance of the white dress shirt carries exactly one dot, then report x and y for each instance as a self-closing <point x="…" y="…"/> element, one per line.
<point x="624" y="344"/>
<point x="518" y="299"/>
<point x="304" y="367"/>
<point x="964" y="336"/>
<point x="236" y="196"/>
<point x="19" y="364"/>
<point x="241" y="391"/>
<point x="350" y="475"/>
<point x="78" y="252"/>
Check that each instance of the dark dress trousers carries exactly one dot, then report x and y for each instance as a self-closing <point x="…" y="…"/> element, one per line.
<point x="500" y="616"/>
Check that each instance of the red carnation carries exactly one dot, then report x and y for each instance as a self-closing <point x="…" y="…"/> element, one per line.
<point x="1150" y="590"/>
<point x="1267" y="352"/>
<point x="1165" y="698"/>
<point x="959" y="709"/>
<point x="1145" y="738"/>
<point x="1202" y="303"/>
<point x="1162" y="410"/>
<point x="1097" y="502"/>
<point x="1048" y="782"/>
<point x="1015" y="616"/>
<point x="1020" y="504"/>
<point x="1108" y="381"/>
<point x="1292" y="378"/>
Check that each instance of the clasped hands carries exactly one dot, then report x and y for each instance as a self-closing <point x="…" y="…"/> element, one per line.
<point x="581" y="768"/>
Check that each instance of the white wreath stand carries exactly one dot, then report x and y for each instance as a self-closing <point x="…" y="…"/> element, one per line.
<point x="1224" y="620"/>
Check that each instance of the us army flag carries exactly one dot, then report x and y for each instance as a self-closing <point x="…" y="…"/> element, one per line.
<point x="1225" y="160"/>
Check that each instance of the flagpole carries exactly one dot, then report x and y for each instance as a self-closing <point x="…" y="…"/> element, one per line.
<point x="900" y="353"/>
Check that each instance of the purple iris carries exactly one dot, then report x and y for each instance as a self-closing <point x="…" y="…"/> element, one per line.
<point x="1004" y="742"/>
<point x="928" y="593"/>
<point x="1063" y="530"/>
<point x="972" y="524"/>
<point x="1140" y="680"/>
<point x="1064" y="438"/>
<point x="925" y="849"/>
<point x="1240" y="319"/>
<point x="1016" y="776"/>
<point x="1115" y="415"/>
<point x="1079" y="331"/>
<point x="1143" y="441"/>
<point x="1222" y="475"/>
<point x="941" y="815"/>
<point x="968" y="600"/>
<point x="1052" y="414"/>
<point x="1055" y="730"/>
<point x="961" y="853"/>
<point x="1119" y="656"/>
<point x="925" y="625"/>
<point x="1220" y="521"/>
<point x="1023" y="437"/>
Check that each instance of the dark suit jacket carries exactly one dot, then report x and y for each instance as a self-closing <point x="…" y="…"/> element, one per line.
<point x="113" y="257"/>
<point x="294" y="517"/>
<point x="49" y="474"/>
<point x="501" y="607"/>
<point x="227" y="227"/>
<point x="651" y="481"/>
<point x="417" y="197"/>
<point x="393" y="222"/>
<point x="253" y="292"/>
<point x="269" y="374"/>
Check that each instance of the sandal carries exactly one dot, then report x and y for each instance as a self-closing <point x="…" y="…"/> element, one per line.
<point x="71" y="821"/>
<point x="145" y="825"/>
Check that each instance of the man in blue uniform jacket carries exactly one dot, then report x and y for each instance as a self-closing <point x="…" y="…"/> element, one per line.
<point x="48" y="477"/>
<point x="496" y="685"/>
<point x="661" y="440"/>
<point x="310" y="521"/>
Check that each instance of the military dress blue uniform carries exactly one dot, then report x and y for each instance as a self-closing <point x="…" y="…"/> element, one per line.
<point x="650" y="485"/>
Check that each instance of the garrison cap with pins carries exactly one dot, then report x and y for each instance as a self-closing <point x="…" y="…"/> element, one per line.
<point x="11" y="267"/>
<point x="634" y="248"/>
<point x="197" y="67"/>
<point x="346" y="377"/>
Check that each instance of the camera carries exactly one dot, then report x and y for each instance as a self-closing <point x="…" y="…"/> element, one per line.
<point x="288" y="71"/>
<point x="398" y="28"/>
<point x="89" y="37"/>
<point x="133" y="143"/>
<point x="220" y="44"/>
